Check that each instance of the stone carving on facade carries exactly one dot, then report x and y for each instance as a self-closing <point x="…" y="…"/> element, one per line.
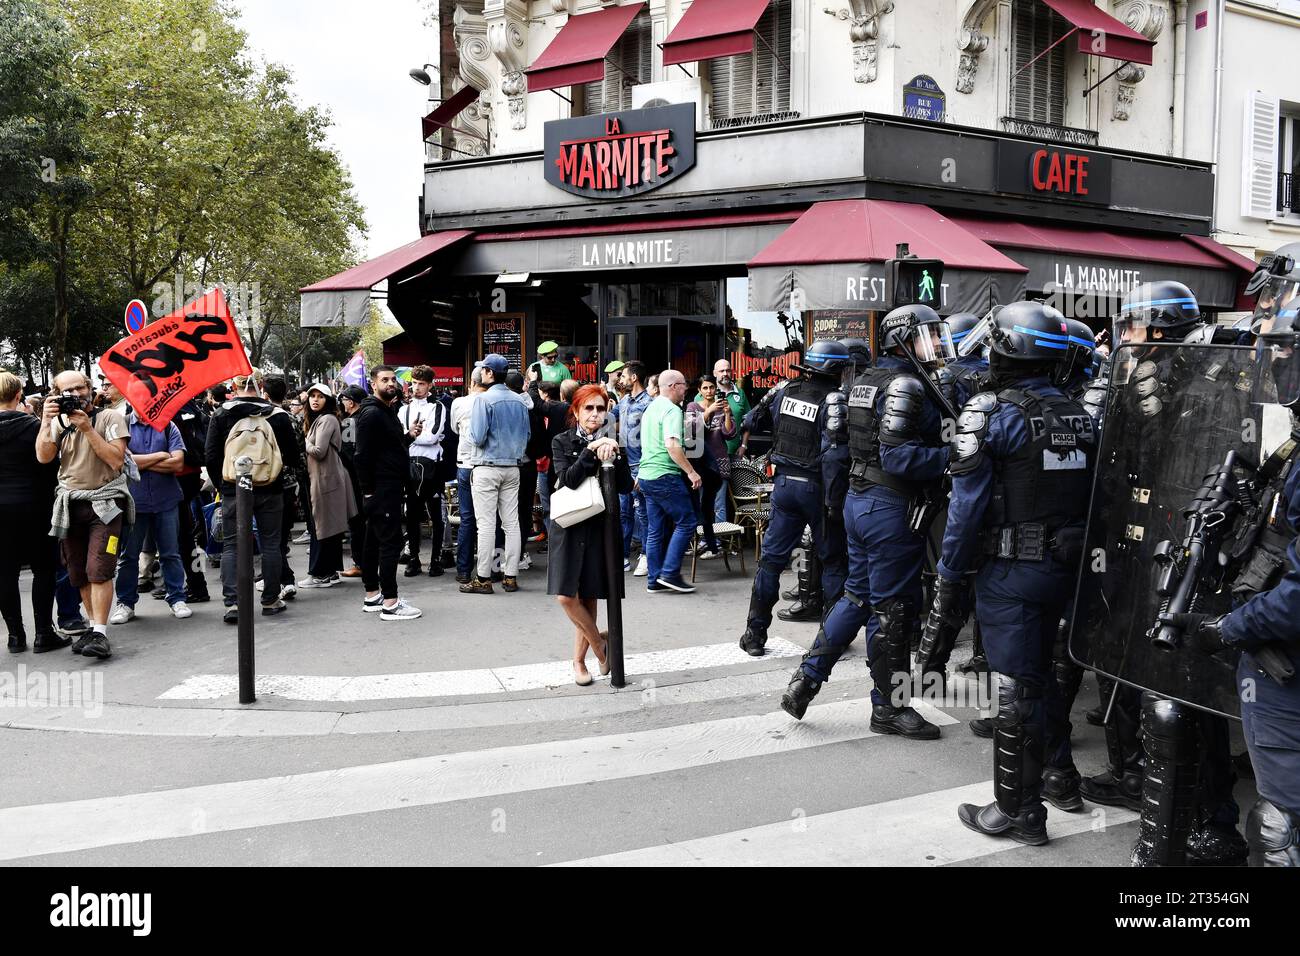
<point x="972" y="42"/>
<point x="1147" y="17"/>
<point x="863" y="18"/>
<point x="507" y="22"/>
<point x="469" y="32"/>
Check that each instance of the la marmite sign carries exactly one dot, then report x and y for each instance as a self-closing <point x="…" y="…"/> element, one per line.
<point x="620" y="154"/>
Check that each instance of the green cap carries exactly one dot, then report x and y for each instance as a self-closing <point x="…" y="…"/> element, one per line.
<point x="546" y="348"/>
<point x="613" y="366"/>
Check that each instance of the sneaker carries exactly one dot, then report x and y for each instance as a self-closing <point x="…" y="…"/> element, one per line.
<point x="121" y="614"/>
<point x="654" y="587"/>
<point x="315" y="582"/>
<point x="372" y="605"/>
<point x="269" y="610"/>
<point x="197" y="596"/>
<point x="510" y="584"/>
<point x="74" y="628"/>
<point x="709" y="553"/>
<point x="288" y="592"/>
<point x="525" y="562"/>
<point x="97" y="646"/>
<point x="303" y="538"/>
<point x="627" y="564"/>
<point x="181" y="610"/>
<point x="401" y="611"/>
<point x="677" y="583"/>
<point x="476" y="586"/>
<point x="642" y="567"/>
<point x="231" y="616"/>
<point x="335" y="578"/>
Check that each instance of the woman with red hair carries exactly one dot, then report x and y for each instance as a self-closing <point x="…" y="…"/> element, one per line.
<point x="576" y="569"/>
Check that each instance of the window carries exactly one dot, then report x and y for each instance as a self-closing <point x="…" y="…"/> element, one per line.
<point x="762" y="346"/>
<point x="1288" y="165"/>
<point x="1037" y="90"/>
<point x="627" y="65"/>
<point x="758" y="83"/>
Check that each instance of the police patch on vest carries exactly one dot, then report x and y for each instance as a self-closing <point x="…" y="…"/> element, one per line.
<point x="1064" y="440"/>
<point x="799" y="409"/>
<point x="1070" y="461"/>
<point x="863" y="395"/>
<point x="1082" y="424"/>
<point x="1037" y="428"/>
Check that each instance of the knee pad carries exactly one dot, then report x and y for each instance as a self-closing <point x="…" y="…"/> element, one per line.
<point x="1169" y="730"/>
<point x="1016" y="701"/>
<point x="1273" y="834"/>
<point x="897" y="617"/>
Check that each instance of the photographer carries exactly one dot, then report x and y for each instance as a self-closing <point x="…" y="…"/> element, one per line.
<point x="92" y="496"/>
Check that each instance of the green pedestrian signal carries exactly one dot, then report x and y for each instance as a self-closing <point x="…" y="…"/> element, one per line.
<point x="913" y="281"/>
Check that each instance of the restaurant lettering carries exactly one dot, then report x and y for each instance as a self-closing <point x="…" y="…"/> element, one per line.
<point x="629" y="252"/>
<point x="620" y="154"/>
<point x="1082" y="277"/>
<point x="871" y="290"/>
<point x="1054" y="171"/>
<point x="1040" y="170"/>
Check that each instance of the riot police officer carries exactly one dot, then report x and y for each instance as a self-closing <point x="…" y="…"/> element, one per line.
<point x="821" y="584"/>
<point x="798" y="417"/>
<point x="1270" y="708"/>
<point x="1021" y="465"/>
<point x="895" y="438"/>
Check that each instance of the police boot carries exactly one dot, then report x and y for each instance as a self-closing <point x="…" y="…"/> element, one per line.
<point x="1061" y="788"/>
<point x="1016" y="812"/>
<point x="754" y="640"/>
<point x="1274" y="835"/>
<point x="1067" y="674"/>
<point x="978" y="663"/>
<point x="1169" y="785"/>
<point x="1212" y="844"/>
<point x="890" y="669"/>
<point x="1121" y="784"/>
<point x="985" y="727"/>
<point x="808" y="604"/>
<point x="799" y="694"/>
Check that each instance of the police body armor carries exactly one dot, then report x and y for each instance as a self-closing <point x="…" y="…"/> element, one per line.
<point x="796" y="435"/>
<point x="864" y="431"/>
<point x="1045" y="485"/>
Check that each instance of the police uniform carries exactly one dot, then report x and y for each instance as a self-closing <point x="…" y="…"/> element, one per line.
<point x="1021" y="466"/>
<point x="797" y="413"/>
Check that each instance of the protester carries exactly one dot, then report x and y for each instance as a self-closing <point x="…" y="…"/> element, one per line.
<point x="192" y="423"/>
<point x="275" y="389"/>
<point x="576" y="570"/>
<point x="93" y="499"/>
<point x="217" y="396"/>
<point x="670" y="515"/>
<point x="159" y="457"/>
<point x="631" y="408"/>
<point x="382" y="471"/>
<point x="613" y="381"/>
<point x="467" y="456"/>
<point x="249" y="421"/>
<point x="498" y="425"/>
<point x="423" y="487"/>
<point x="548" y="366"/>
<point x="739" y="402"/>
<point x="333" y="503"/>
<point x="350" y="399"/>
<point x="26" y="499"/>
<point x="710" y="421"/>
<point x="533" y="450"/>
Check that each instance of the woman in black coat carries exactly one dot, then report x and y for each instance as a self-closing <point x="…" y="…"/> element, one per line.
<point x="576" y="568"/>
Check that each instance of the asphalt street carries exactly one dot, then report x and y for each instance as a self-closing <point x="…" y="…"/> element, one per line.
<point x="461" y="739"/>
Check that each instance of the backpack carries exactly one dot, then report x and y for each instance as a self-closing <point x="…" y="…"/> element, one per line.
<point x="252" y="436"/>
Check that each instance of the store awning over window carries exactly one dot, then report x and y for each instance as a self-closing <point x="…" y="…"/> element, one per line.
<point x="713" y="28"/>
<point x="448" y="110"/>
<point x="833" y="257"/>
<point x="1103" y="263"/>
<point x="344" y="299"/>
<point x="577" y="54"/>
<point x="1097" y="33"/>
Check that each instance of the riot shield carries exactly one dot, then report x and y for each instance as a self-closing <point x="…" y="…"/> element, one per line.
<point x="1181" y="438"/>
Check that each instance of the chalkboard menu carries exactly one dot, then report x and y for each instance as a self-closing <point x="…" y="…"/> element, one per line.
<point x="502" y="333"/>
<point x="836" y="324"/>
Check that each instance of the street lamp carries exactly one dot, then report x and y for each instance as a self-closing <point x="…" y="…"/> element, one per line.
<point x="421" y="76"/>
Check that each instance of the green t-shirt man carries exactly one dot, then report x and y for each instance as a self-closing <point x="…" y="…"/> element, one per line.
<point x="554" y="372"/>
<point x="662" y="420"/>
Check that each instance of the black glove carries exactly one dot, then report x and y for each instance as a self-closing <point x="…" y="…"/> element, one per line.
<point x="1204" y="631"/>
<point x="942" y="623"/>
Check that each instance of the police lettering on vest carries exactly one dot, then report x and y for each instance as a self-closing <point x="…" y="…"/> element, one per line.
<point x="1047" y="480"/>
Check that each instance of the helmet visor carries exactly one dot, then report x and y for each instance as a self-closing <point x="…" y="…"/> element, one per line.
<point x="976" y="341"/>
<point x="932" y="342"/>
<point x="1276" y="308"/>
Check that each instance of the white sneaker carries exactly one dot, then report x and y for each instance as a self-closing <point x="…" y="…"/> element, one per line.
<point x="121" y="614"/>
<point x="303" y="538"/>
<point x="525" y="562"/>
<point x="314" y="582"/>
<point x="181" y="610"/>
<point x="401" y="611"/>
<point x="288" y="592"/>
<point x="642" y="567"/>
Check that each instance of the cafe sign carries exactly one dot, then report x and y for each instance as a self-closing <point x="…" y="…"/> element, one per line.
<point x="1054" y="172"/>
<point x="614" y="155"/>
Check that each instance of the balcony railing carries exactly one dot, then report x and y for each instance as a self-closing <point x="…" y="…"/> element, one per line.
<point x="1049" y="131"/>
<point x="1288" y="194"/>
<point x="754" y="119"/>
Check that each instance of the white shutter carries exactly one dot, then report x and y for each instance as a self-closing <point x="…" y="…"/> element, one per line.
<point x="1259" y="157"/>
<point x="632" y="52"/>
<point x="749" y="84"/>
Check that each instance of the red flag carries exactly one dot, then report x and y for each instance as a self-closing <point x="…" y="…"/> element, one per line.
<point x="175" y="358"/>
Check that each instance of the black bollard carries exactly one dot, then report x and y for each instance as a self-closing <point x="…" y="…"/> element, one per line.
<point x="244" y="577"/>
<point x="613" y="573"/>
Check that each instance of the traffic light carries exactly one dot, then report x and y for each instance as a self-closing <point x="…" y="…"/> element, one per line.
<point x="913" y="281"/>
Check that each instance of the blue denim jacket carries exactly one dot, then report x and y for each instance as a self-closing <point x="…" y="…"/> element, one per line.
<point x="630" y="410"/>
<point x="498" y="425"/>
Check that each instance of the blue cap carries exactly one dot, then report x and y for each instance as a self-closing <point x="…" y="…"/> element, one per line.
<point x="497" y="363"/>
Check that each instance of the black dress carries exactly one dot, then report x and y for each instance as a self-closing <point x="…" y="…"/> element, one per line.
<point x="575" y="564"/>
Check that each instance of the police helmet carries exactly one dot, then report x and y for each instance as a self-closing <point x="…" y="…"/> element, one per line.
<point x="1077" y="362"/>
<point x="1029" y="332"/>
<point x="859" y="351"/>
<point x="1162" y="310"/>
<point x="960" y="325"/>
<point x="1276" y="287"/>
<point x="827" y="357"/>
<point x="918" y="330"/>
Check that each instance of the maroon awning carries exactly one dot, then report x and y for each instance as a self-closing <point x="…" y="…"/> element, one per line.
<point x="577" y="54"/>
<point x="713" y="28"/>
<point x="448" y="110"/>
<point x="1100" y="34"/>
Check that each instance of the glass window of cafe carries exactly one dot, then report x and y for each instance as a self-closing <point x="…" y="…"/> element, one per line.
<point x="763" y="346"/>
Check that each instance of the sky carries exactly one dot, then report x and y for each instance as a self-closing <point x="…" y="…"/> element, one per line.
<point x="351" y="57"/>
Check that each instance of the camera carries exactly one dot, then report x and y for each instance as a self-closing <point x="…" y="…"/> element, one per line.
<point x="70" y="402"/>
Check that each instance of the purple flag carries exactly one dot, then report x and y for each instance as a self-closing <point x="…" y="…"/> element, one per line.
<point x="354" y="373"/>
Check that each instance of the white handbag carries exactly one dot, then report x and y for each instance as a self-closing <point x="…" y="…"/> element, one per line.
<point x="570" y="506"/>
